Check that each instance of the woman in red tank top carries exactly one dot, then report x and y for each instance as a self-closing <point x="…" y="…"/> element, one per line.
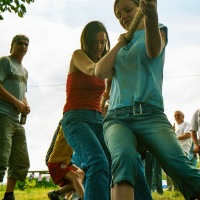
<point x="82" y="119"/>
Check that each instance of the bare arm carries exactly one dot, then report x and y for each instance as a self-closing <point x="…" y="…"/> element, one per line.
<point x="184" y="136"/>
<point x="106" y="93"/>
<point x="5" y="95"/>
<point x="81" y="62"/>
<point x="195" y="140"/>
<point x="105" y="96"/>
<point x="105" y="67"/>
<point x="27" y="108"/>
<point x="155" y="38"/>
<point x="194" y="137"/>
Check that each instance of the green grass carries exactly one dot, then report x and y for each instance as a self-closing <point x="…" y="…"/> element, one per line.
<point x="168" y="195"/>
<point x="30" y="194"/>
<point x="41" y="194"/>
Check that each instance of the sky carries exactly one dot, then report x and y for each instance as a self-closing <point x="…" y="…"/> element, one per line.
<point x="54" y="28"/>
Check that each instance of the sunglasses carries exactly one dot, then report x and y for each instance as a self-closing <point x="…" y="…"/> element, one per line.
<point x="22" y="43"/>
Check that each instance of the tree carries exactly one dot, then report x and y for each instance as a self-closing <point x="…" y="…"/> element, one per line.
<point x="14" y="5"/>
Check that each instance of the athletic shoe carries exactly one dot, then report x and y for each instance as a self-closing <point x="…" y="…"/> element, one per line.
<point x="53" y="195"/>
<point x="75" y="196"/>
<point x="10" y="199"/>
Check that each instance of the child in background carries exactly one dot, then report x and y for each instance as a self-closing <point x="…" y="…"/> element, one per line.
<point x="65" y="174"/>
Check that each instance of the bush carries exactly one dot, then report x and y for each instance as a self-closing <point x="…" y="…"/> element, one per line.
<point x="34" y="183"/>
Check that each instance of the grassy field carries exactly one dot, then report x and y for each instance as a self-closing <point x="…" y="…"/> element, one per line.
<point x="41" y="194"/>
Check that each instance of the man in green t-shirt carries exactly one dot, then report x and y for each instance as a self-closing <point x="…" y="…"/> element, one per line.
<point x="13" y="104"/>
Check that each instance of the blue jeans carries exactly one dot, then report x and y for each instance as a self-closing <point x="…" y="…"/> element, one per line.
<point x="127" y="128"/>
<point x="141" y="190"/>
<point x="191" y="155"/>
<point x="84" y="132"/>
<point x="153" y="169"/>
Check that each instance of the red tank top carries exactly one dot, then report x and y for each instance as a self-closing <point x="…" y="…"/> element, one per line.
<point x="83" y="92"/>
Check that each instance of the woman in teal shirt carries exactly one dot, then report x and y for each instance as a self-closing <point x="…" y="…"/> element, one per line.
<point x="135" y="115"/>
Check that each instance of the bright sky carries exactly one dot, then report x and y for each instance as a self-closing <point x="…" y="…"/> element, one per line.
<point x="54" y="28"/>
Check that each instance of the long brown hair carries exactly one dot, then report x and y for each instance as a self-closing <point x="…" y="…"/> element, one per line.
<point x="88" y="37"/>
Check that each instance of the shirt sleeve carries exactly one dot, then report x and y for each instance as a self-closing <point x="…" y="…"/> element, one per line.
<point x="194" y="122"/>
<point x="164" y="28"/>
<point x="187" y="127"/>
<point x="4" y="68"/>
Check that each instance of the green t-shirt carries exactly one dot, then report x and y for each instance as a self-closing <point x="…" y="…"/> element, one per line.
<point x="13" y="78"/>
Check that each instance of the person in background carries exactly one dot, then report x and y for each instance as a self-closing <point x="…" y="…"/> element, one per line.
<point x="135" y="114"/>
<point x="13" y="102"/>
<point x="64" y="173"/>
<point x="39" y="180"/>
<point x="32" y="176"/>
<point x="183" y="134"/>
<point x="153" y="172"/>
<point x="195" y="130"/>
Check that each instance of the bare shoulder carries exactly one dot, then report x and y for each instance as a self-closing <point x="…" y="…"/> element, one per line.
<point x="81" y="62"/>
<point x="76" y="55"/>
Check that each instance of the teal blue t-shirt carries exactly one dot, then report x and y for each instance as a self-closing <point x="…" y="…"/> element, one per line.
<point x="137" y="78"/>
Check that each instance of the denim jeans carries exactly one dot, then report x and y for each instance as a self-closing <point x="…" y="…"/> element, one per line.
<point x="84" y="132"/>
<point x="128" y="128"/>
<point x="141" y="190"/>
<point x="153" y="172"/>
<point x="191" y="156"/>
